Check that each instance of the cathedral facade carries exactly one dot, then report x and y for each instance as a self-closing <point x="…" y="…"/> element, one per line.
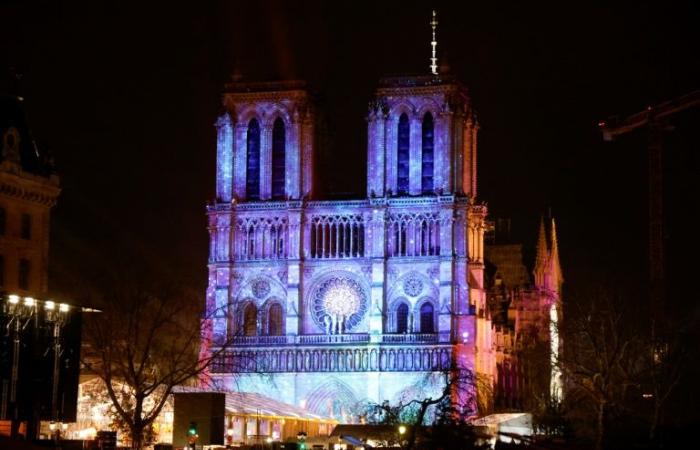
<point x="331" y="304"/>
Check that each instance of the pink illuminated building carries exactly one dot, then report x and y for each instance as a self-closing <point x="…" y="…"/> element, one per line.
<point x="335" y="303"/>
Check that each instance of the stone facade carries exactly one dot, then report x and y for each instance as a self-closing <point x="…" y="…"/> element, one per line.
<point x="28" y="190"/>
<point x="357" y="300"/>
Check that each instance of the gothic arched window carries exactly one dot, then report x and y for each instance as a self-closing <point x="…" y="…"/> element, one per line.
<point x="252" y="183"/>
<point x="403" y="160"/>
<point x="250" y="320"/>
<point x="278" y="159"/>
<point x="428" y="154"/>
<point x="274" y="320"/>
<point x="427" y="321"/>
<point x="402" y="318"/>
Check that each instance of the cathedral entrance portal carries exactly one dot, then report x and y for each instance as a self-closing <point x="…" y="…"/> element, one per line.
<point x="334" y="399"/>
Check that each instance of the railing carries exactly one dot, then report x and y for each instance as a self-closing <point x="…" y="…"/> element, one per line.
<point x="417" y="338"/>
<point x="413" y="234"/>
<point x="306" y="339"/>
<point x="262" y="340"/>
<point x="332" y="338"/>
<point x="388" y="359"/>
<point x="259" y="238"/>
<point x="336" y="236"/>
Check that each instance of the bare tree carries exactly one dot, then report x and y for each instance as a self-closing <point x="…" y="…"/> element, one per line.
<point x="145" y="342"/>
<point x="665" y="359"/>
<point x="448" y="410"/>
<point x="601" y="357"/>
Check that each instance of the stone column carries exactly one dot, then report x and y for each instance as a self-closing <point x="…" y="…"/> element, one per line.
<point x="446" y="231"/>
<point x="240" y="158"/>
<point x="443" y="138"/>
<point x="307" y="160"/>
<point x="391" y="150"/>
<point x="458" y="146"/>
<point x="295" y="238"/>
<point x="375" y="246"/>
<point x="293" y="159"/>
<point x="220" y="306"/>
<point x="224" y="158"/>
<point x="375" y="154"/>
<point x="475" y="131"/>
<point x="467" y="160"/>
<point x="266" y="160"/>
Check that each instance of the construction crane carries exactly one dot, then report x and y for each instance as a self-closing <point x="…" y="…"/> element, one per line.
<point x="655" y="120"/>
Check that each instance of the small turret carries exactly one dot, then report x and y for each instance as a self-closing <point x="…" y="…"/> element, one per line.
<point x="554" y="278"/>
<point x="541" y="259"/>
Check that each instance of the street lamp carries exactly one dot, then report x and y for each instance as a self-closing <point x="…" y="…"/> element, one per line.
<point x="402" y="431"/>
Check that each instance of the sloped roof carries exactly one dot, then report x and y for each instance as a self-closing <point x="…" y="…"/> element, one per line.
<point x="249" y="403"/>
<point x="31" y="158"/>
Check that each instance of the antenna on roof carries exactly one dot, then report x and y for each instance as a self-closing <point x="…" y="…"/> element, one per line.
<point x="433" y="44"/>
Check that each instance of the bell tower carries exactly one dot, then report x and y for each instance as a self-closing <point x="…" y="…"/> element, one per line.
<point x="265" y="142"/>
<point x="421" y="138"/>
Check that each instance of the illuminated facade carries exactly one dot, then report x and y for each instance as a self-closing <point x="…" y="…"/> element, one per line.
<point x="344" y="302"/>
<point x="28" y="190"/>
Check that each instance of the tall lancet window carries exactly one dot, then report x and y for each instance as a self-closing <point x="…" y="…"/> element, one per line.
<point x="403" y="155"/>
<point x="428" y="154"/>
<point x="402" y="318"/>
<point x="250" y="320"/>
<point x="427" y="321"/>
<point x="252" y="180"/>
<point x="278" y="155"/>
<point x="274" y="320"/>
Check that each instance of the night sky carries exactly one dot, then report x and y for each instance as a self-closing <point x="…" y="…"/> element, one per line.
<point x="125" y="97"/>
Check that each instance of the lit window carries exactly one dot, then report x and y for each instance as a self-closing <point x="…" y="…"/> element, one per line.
<point x="252" y="187"/>
<point x="250" y="320"/>
<point x="403" y="160"/>
<point x="427" y="320"/>
<point x="402" y="318"/>
<point x="274" y="325"/>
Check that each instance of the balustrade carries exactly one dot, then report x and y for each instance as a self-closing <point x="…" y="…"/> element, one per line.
<point x="337" y="236"/>
<point x="389" y="359"/>
<point x="422" y="338"/>
<point x="413" y="234"/>
<point x="260" y="238"/>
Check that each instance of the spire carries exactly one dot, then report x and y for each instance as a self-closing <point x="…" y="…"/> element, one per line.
<point x="433" y="44"/>
<point x="541" y="258"/>
<point x="554" y="268"/>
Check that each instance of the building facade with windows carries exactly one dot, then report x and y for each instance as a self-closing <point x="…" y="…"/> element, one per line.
<point x="334" y="303"/>
<point x="28" y="189"/>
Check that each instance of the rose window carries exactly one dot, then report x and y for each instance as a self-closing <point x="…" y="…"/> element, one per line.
<point x="260" y="288"/>
<point x="339" y="304"/>
<point x="413" y="286"/>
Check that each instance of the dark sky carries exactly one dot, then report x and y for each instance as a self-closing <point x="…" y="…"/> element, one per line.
<point x="125" y="96"/>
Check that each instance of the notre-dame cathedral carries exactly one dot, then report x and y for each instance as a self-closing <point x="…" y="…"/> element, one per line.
<point x="343" y="302"/>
